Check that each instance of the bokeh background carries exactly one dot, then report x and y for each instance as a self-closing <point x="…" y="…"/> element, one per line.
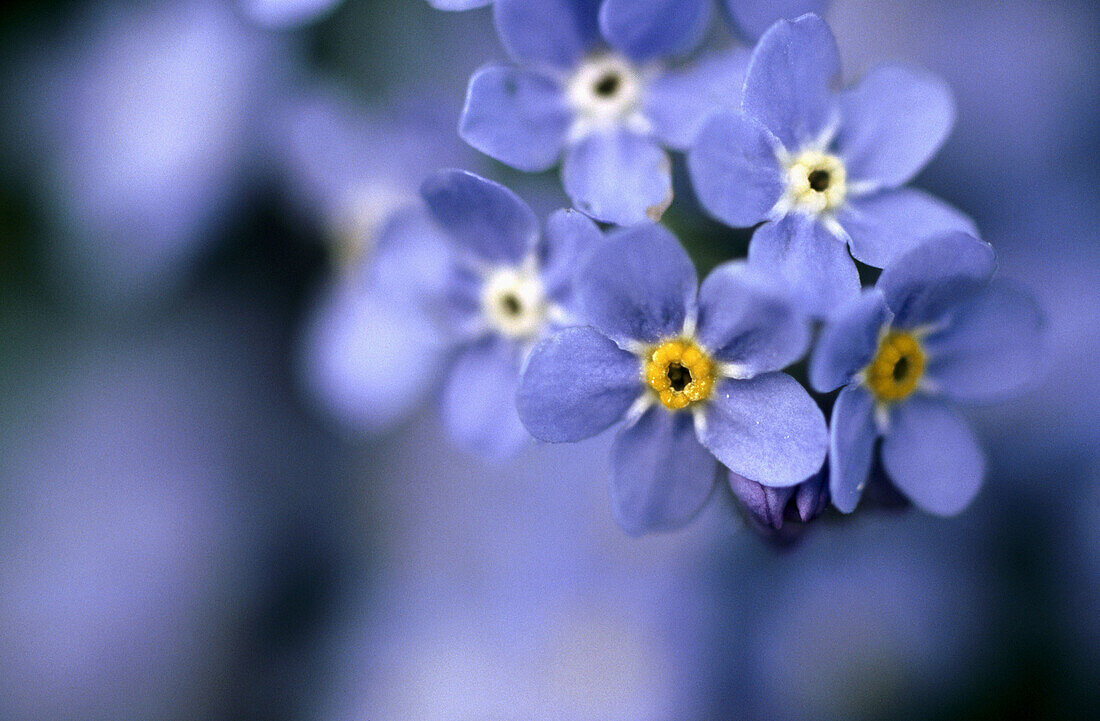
<point x="192" y="526"/>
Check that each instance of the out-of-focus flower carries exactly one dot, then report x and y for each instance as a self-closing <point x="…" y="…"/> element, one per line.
<point x="589" y="84"/>
<point x="932" y="330"/>
<point x="288" y="13"/>
<point x="141" y="119"/>
<point x="691" y="377"/>
<point x="824" y="168"/>
<point x="459" y="4"/>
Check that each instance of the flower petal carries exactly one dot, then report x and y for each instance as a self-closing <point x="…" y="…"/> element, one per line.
<point x="852" y="434"/>
<point x="753" y="17"/>
<point x="548" y="32"/>
<point x="811" y="260"/>
<point x="848" y="341"/>
<point x="568" y="237"/>
<point x="764" y="503"/>
<point x="932" y="457"/>
<point x="516" y="116"/>
<point x="459" y="4"/>
<point x="618" y="176"/>
<point x="788" y="87"/>
<point x="892" y="122"/>
<point x="575" y="384"/>
<point x="476" y="403"/>
<point x="662" y="476"/>
<point x="482" y="216"/>
<point x="734" y="170"/>
<point x="767" y="429"/>
<point x="925" y="282"/>
<point x="649" y="29"/>
<point x="680" y="102"/>
<point x="992" y="345"/>
<point x="883" y="226"/>
<point x="637" y="285"/>
<point x="747" y="320"/>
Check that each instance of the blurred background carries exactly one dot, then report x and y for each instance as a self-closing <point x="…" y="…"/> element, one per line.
<point x="194" y="524"/>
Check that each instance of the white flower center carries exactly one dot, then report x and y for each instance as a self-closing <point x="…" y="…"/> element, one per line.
<point x="605" y="90"/>
<point x="816" y="182"/>
<point x="513" y="302"/>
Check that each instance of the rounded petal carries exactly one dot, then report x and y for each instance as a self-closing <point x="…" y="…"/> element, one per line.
<point x="476" y="404"/>
<point x="940" y="272"/>
<point x="812" y="261"/>
<point x="575" y="384"/>
<point x="852" y="434"/>
<point x="552" y="33"/>
<point x="459" y="4"/>
<point x="767" y="429"/>
<point x="848" y="341"/>
<point x="735" y="171"/>
<point x="892" y="122"/>
<point x="662" y="476"/>
<point x="747" y="320"/>
<point x="568" y="237"/>
<point x="618" y="176"/>
<point x="753" y="17"/>
<point x="932" y="457"/>
<point x="992" y="345"/>
<point x="484" y="217"/>
<point x="637" y="285"/>
<point x="883" y="226"/>
<point x="516" y="116"/>
<point x="788" y="87"/>
<point x="678" y="103"/>
<point x="649" y="29"/>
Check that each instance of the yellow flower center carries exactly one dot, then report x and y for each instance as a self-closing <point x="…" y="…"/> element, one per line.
<point x="816" y="181"/>
<point x="896" y="368"/>
<point x="680" y="373"/>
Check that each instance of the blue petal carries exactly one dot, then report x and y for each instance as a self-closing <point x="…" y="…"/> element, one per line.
<point x="484" y="217"/>
<point x="753" y="17"/>
<point x="811" y="260"/>
<point x="575" y="384"/>
<point x="662" y="476"/>
<point x="747" y="320"/>
<point x="648" y="29"/>
<point x="459" y="4"/>
<point x="852" y="436"/>
<point x="812" y="497"/>
<point x="789" y="82"/>
<point x="678" y="103"/>
<point x="848" y="341"/>
<point x="734" y="170"/>
<point x="547" y="32"/>
<point x="992" y="345"/>
<point x="767" y="429"/>
<point x="932" y="457"/>
<point x="883" y="226"/>
<point x="476" y="403"/>
<point x="516" y="116"/>
<point x="764" y="503"/>
<point x="287" y="13"/>
<point x="941" y="272"/>
<point x="892" y="122"/>
<point x="568" y="237"/>
<point x="637" y="285"/>
<point x="618" y="176"/>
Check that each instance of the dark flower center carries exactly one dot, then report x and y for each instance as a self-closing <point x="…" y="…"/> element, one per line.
<point x="678" y="376"/>
<point x="819" y="180"/>
<point x="511" y="304"/>
<point x="901" y="369"/>
<point x="608" y="84"/>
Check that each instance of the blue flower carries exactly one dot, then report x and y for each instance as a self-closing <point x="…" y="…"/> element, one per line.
<point x="691" y="377"/>
<point x="459" y="4"/>
<point x="824" y="167"/>
<point x="768" y="507"/>
<point x="932" y="331"/>
<point x="589" y="85"/>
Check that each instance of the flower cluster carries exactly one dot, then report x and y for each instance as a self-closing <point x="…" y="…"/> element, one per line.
<point x="565" y="329"/>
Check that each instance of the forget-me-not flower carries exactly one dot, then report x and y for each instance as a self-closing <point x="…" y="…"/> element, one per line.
<point x="694" y="377"/>
<point x="825" y="168"/>
<point x="931" y="332"/>
<point x="589" y="85"/>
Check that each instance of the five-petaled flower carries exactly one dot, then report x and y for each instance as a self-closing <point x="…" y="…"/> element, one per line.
<point x="932" y="331"/>
<point x="694" y="376"/>
<point x="824" y="168"/>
